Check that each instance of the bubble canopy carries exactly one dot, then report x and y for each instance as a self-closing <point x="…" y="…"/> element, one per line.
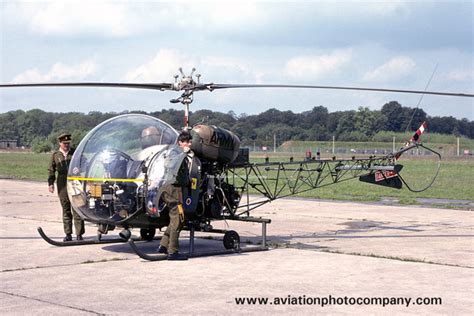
<point x="105" y="173"/>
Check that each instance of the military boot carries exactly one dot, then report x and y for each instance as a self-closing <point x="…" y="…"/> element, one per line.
<point x="68" y="237"/>
<point x="177" y="256"/>
<point x="162" y="249"/>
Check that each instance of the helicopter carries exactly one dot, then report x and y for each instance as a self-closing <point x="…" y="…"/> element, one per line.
<point x="119" y="170"/>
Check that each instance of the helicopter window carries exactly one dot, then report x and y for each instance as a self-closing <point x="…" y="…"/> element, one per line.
<point x="114" y="150"/>
<point x="109" y="164"/>
<point x="156" y="171"/>
<point x="168" y="137"/>
<point x="134" y="169"/>
<point x="129" y="133"/>
<point x="164" y="166"/>
<point x="151" y="136"/>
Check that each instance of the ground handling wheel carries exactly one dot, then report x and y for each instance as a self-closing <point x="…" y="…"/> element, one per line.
<point x="231" y="240"/>
<point x="147" y="233"/>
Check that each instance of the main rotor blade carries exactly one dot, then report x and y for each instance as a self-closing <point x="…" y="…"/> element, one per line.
<point x="215" y="86"/>
<point x="152" y="86"/>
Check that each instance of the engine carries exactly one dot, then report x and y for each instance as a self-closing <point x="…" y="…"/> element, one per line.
<point x="215" y="143"/>
<point x="216" y="147"/>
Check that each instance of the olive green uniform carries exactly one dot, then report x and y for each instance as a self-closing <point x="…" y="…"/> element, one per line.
<point x="170" y="240"/>
<point x="60" y="164"/>
<point x="172" y="196"/>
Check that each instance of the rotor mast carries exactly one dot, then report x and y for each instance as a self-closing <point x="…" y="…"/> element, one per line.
<point x="188" y="84"/>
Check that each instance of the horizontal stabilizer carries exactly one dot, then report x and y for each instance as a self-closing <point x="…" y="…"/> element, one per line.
<point x="386" y="178"/>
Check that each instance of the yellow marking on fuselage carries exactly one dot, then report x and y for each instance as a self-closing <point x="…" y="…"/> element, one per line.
<point x="104" y="179"/>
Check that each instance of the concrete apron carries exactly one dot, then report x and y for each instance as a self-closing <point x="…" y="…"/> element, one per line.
<point x="322" y="252"/>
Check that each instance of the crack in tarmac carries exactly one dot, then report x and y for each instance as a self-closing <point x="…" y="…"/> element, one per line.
<point x="66" y="264"/>
<point x="277" y="245"/>
<point x="26" y="202"/>
<point x="298" y="246"/>
<point x="31" y="219"/>
<point x="52" y="303"/>
<point x="310" y="247"/>
<point x="410" y="260"/>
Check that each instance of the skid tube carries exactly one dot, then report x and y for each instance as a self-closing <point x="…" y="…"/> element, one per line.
<point x="192" y="254"/>
<point x="84" y="242"/>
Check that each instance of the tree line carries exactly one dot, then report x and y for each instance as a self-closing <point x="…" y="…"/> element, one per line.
<point x="39" y="129"/>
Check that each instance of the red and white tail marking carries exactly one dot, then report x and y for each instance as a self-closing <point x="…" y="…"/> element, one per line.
<point x="418" y="133"/>
<point x="414" y="138"/>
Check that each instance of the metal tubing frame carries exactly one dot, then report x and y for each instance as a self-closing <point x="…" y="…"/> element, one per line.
<point x="263" y="221"/>
<point x="298" y="177"/>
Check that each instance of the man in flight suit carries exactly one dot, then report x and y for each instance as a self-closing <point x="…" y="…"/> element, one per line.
<point x="60" y="163"/>
<point x="172" y="196"/>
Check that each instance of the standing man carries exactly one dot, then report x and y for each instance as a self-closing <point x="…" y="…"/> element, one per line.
<point x="173" y="197"/>
<point x="60" y="163"/>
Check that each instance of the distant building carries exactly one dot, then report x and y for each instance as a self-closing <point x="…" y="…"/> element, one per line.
<point x="8" y="144"/>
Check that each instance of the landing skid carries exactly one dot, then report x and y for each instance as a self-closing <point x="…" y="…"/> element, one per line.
<point x="144" y="255"/>
<point x="83" y="242"/>
<point x="160" y="257"/>
<point x="232" y="240"/>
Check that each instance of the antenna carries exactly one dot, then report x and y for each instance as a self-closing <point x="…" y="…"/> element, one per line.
<point x="421" y="98"/>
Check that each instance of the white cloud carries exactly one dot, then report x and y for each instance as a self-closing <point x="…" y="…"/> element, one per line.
<point x="58" y="72"/>
<point x="109" y="18"/>
<point x="231" y="70"/>
<point x="232" y="14"/>
<point x="70" y="18"/>
<point x="387" y="8"/>
<point x="344" y="9"/>
<point x="166" y="63"/>
<point x="313" y="67"/>
<point x="161" y="68"/>
<point x="240" y="42"/>
<point x="395" y="68"/>
<point x="461" y="75"/>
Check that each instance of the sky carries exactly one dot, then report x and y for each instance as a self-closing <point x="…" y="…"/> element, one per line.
<point x="379" y="44"/>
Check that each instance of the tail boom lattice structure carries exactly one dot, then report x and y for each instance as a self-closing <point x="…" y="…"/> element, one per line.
<point x="274" y="180"/>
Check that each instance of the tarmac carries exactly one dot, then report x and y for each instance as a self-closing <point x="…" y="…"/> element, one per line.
<point x="325" y="258"/>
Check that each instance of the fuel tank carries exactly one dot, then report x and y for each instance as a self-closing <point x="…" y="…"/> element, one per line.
<point x="215" y="143"/>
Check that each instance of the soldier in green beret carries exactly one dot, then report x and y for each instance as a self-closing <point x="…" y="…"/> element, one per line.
<point x="60" y="163"/>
